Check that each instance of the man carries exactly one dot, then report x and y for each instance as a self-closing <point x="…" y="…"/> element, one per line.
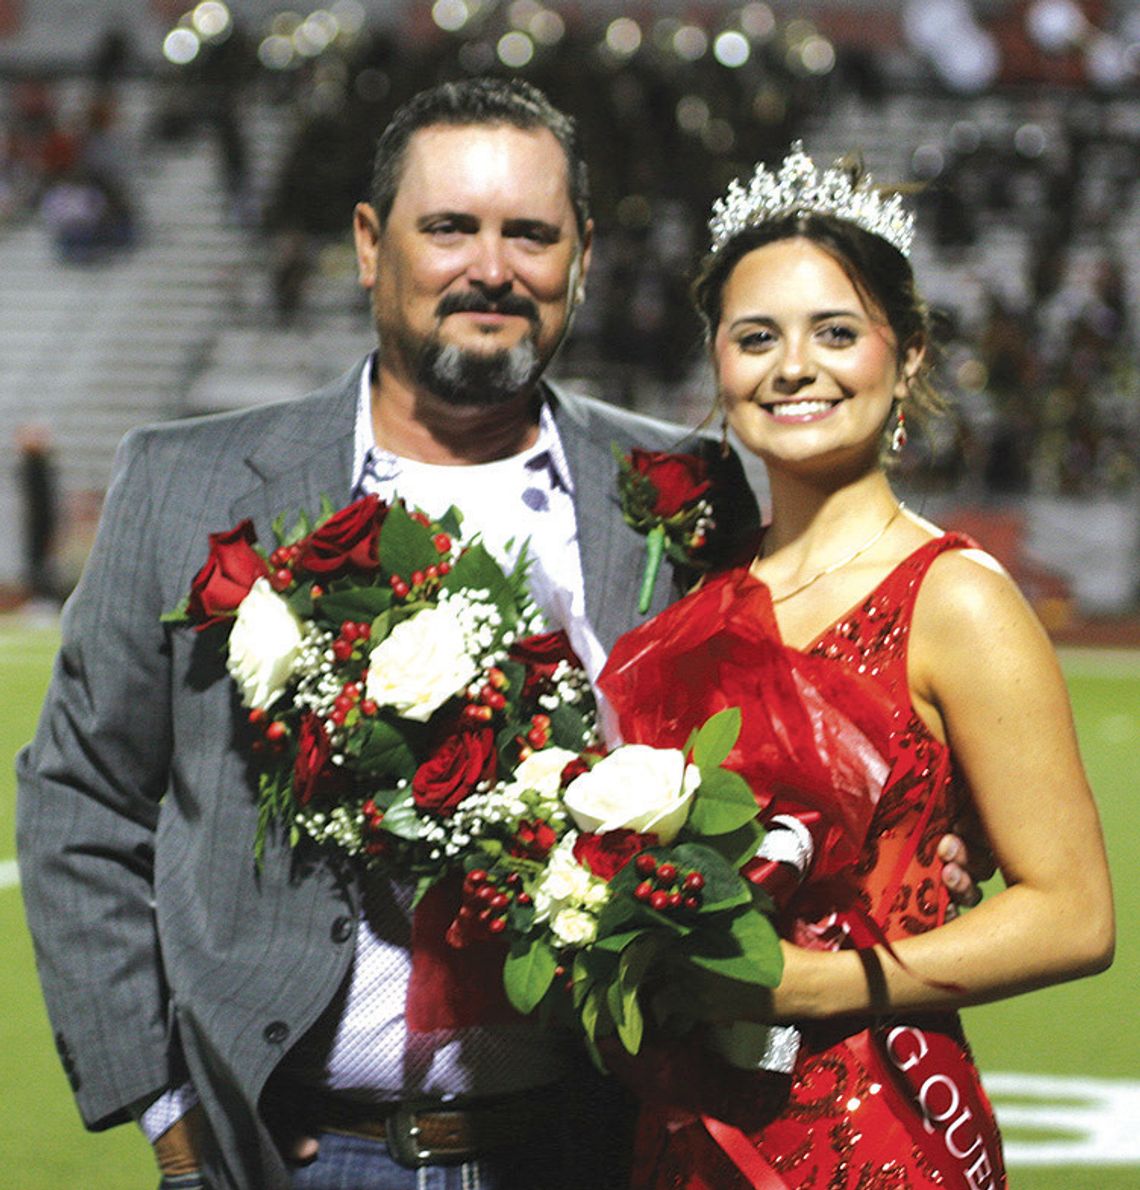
<point x="251" y="1018"/>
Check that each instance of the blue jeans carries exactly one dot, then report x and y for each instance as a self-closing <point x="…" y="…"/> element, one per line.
<point x="347" y="1162"/>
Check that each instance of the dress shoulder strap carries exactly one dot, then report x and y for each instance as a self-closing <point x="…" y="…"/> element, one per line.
<point x="873" y="636"/>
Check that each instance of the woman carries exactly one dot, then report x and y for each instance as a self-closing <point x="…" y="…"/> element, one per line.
<point x="820" y="347"/>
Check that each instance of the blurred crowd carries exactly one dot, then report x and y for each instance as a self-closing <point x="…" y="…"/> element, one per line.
<point x="1041" y="368"/>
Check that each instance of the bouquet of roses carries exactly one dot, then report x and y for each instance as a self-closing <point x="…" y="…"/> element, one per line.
<point x="635" y="881"/>
<point x="396" y="680"/>
<point x="665" y="497"/>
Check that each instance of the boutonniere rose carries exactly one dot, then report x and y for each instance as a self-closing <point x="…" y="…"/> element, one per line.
<point x="664" y="495"/>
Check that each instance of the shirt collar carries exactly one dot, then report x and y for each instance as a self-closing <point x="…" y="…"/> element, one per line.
<point x="547" y="452"/>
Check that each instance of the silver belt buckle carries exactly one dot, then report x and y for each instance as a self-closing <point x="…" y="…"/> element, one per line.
<point x="403" y="1136"/>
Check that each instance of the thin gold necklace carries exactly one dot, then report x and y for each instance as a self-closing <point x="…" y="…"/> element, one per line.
<point x="878" y="536"/>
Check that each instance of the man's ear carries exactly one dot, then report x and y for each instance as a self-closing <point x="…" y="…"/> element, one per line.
<point x="366" y="235"/>
<point x="579" y="294"/>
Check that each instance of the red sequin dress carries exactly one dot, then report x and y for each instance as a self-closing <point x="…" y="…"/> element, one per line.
<point x="877" y="1104"/>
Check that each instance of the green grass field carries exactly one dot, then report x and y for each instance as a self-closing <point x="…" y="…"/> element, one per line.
<point x="1086" y="1029"/>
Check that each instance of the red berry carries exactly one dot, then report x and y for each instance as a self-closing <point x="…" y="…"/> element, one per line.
<point x="344" y="702"/>
<point x="444" y="568"/>
<point x="537" y="736"/>
<point x="442" y="542"/>
<point x="643" y="891"/>
<point x="317" y="591"/>
<point x="337" y="716"/>
<point x="674" y="900"/>
<point x="513" y="880"/>
<point x="659" y="899"/>
<point x="497" y="679"/>
<point x="499" y="902"/>
<point x="540" y="720"/>
<point x="280" y="579"/>
<point x="420" y="518"/>
<point x="495" y="700"/>
<point x="368" y="809"/>
<point x="368" y="706"/>
<point x="497" y="925"/>
<point x="666" y="874"/>
<point x="342" y="649"/>
<point x="692" y="902"/>
<point x="476" y="876"/>
<point x="258" y="715"/>
<point x="486" y="892"/>
<point x="275" y="730"/>
<point x="363" y="630"/>
<point x="348" y="630"/>
<point x="646" y="864"/>
<point x="432" y="573"/>
<point x="417" y="578"/>
<point x="694" y="882"/>
<point x="524" y="898"/>
<point x="279" y="557"/>
<point x="559" y="971"/>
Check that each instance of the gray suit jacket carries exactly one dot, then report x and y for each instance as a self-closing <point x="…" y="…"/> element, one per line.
<point x="158" y="942"/>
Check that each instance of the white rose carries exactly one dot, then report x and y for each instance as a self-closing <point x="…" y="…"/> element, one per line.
<point x="635" y="787"/>
<point x="265" y="643"/>
<point x="542" y="771"/>
<point x="420" y="664"/>
<point x="565" y="880"/>
<point x="574" y="927"/>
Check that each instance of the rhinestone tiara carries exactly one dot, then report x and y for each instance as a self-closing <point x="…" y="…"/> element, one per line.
<point x="799" y="188"/>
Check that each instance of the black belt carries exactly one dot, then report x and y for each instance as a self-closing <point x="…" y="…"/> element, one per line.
<point x="422" y="1132"/>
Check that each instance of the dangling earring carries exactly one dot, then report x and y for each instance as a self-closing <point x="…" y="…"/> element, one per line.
<point x="898" y="434"/>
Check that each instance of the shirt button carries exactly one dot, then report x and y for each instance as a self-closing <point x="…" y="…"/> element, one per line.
<point x="341" y="929"/>
<point x="275" y="1032"/>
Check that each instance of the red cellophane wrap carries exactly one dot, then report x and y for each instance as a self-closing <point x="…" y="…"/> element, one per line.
<point x="813" y="737"/>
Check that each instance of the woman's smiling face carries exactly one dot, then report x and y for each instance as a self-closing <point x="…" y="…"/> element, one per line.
<point x="807" y="370"/>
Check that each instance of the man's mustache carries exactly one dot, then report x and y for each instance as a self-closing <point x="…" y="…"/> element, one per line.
<point x="474" y="302"/>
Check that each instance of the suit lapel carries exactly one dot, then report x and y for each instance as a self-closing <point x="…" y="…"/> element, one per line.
<point x="612" y="554"/>
<point x="309" y="455"/>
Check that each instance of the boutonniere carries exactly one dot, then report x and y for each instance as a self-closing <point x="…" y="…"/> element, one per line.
<point x="663" y="495"/>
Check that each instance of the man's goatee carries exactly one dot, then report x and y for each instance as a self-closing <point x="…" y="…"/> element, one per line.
<point x="474" y="378"/>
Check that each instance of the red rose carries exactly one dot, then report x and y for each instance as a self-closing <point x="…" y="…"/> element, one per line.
<point x="227" y="575"/>
<point x="462" y="760"/>
<point x="679" y="479"/>
<point x="606" y="854"/>
<point x="310" y="769"/>
<point x="541" y="654"/>
<point x="347" y="538"/>
<point x="533" y="840"/>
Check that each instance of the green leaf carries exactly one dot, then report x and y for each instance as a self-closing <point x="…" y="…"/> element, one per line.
<point x="528" y="972"/>
<point x="715" y="739"/>
<point x="567" y="728"/>
<point x="724" y="887"/>
<point x="177" y="614"/>
<point x="723" y="803"/>
<point x="631" y="1025"/>
<point x="359" y="604"/>
<point x="405" y="545"/>
<point x="747" y="951"/>
<point x="738" y="846"/>
<point x="383" y="748"/>
<point x="476" y="569"/>
<point x="451" y="522"/>
<point x="402" y="819"/>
